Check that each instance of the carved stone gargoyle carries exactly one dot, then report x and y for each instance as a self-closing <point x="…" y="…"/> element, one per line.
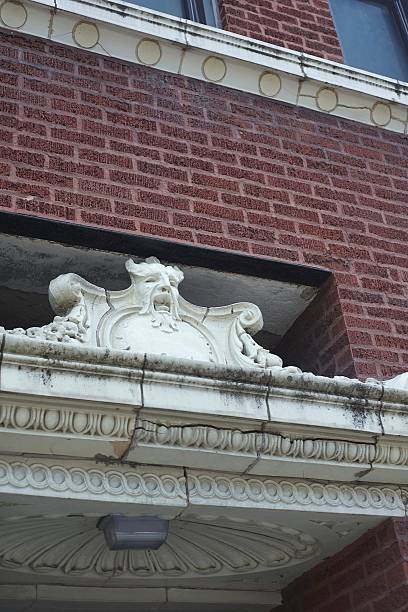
<point x="151" y="317"/>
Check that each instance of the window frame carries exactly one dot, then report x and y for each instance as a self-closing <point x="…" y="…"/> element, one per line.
<point x="194" y="10"/>
<point x="399" y="11"/>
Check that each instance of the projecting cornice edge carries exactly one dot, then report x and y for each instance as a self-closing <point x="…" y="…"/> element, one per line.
<point x="115" y="406"/>
<point x="173" y="489"/>
<point x="138" y="35"/>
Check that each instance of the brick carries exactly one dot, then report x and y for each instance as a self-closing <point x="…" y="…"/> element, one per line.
<point x="214" y="181"/>
<point x="252" y="233"/>
<point x="38" y="176"/>
<point x="133" y="150"/>
<point x="22" y="157"/>
<point x="47" y="117"/>
<point x="182" y="134"/>
<point x="200" y="223"/>
<point x="167" y="232"/>
<point x="130" y="178"/>
<point x="162" y="171"/>
<point x="82" y="110"/>
<point x="193" y="191"/>
<point x="275" y="252"/>
<point x="77" y="137"/>
<point x="241" y="173"/>
<point x="116" y="191"/>
<point x="244" y="202"/>
<point x="79" y="200"/>
<point x="72" y="168"/>
<point x="45" y="146"/>
<point x="132" y="120"/>
<point x="107" y="221"/>
<point x="164" y="200"/>
<point x="30" y="190"/>
<point x="103" y="158"/>
<point x="113" y="131"/>
<point x="45" y="209"/>
<point x="271" y="221"/>
<point x="134" y="210"/>
<point x="222" y="242"/>
<point x="212" y="210"/>
<point x="153" y="140"/>
<point x="271" y="195"/>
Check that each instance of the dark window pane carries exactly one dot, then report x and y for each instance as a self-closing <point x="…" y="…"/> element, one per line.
<point x="209" y="13"/>
<point x="172" y="7"/>
<point x="370" y="36"/>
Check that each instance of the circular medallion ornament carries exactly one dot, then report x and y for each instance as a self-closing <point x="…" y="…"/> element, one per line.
<point x="214" y="69"/>
<point x="381" y="114"/>
<point x="13" y="14"/>
<point x="148" y="52"/>
<point x="86" y="34"/>
<point x="73" y="546"/>
<point x="269" y="84"/>
<point x="326" y="99"/>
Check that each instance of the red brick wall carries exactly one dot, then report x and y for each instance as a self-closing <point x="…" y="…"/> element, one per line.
<point x="301" y="25"/>
<point x="95" y="141"/>
<point x="370" y="575"/>
<point x="319" y="341"/>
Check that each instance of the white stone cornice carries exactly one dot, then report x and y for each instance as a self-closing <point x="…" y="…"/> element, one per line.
<point x="263" y="452"/>
<point x="85" y="481"/>
<point x="220" y="490"/>
<point x="134" y="34"/>
<point x="167" y="487"/>
<point x="76" y="373"/>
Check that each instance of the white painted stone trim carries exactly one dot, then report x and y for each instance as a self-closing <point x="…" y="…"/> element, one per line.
<point x="220" y="490"/>
<point x="139" y="35"/>
<point x="167" y="487"/>
<point x="31" y="594"/>
<point x="263" y="445"/>
<point x="84" y="481"/>
<point x="116" y="406"/>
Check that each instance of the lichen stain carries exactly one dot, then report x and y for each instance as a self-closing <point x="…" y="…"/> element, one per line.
<point x="46" y="377"/>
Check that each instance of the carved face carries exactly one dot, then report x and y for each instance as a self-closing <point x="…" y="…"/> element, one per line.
<point x="156" y="289"/>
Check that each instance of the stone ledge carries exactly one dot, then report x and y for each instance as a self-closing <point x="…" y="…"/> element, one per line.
<point x="177" y="46"/>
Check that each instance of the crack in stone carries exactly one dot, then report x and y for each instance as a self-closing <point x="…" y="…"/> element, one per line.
<point x="133" y="440"/>
<point x="3" y="342"/>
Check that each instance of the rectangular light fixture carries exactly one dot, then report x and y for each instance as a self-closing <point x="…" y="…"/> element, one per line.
<point x="134" y="532"/>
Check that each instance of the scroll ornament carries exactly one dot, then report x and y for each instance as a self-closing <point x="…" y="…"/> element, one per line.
<point x="150" y="316"/>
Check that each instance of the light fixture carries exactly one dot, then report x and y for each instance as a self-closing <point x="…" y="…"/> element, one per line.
<point x="133" y="532"/>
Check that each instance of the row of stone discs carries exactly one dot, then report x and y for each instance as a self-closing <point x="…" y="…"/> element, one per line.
<point x="86" y="34"/>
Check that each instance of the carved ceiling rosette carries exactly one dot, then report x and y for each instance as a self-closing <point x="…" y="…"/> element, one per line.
<point x="74" y="547"/>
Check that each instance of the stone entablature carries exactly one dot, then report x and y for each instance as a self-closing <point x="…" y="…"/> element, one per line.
<point x="141" y="375"/>
<point x="139" y="35"/>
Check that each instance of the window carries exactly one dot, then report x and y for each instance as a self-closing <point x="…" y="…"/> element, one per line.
<point x="374" y="35"/>
<point x="203" y="11"/>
